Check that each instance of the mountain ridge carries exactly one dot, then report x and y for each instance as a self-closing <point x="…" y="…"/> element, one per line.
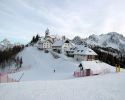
<point x="112" y="40"/>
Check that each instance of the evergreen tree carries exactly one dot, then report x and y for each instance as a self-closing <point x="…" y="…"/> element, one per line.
<point x="37" y="38"/>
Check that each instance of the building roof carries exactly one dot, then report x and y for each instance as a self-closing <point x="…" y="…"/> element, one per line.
<point x="96" y="66"/>
<point x="58" y="43"/>
<point x="52" y="36"/>
<point x="43" y="41"/>
<point x="74" y="48"/>
<point x="82" y="50"/>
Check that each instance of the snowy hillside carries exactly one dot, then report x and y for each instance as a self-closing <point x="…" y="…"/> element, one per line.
<point x="43" y="65"/>
<point x="112" y="39"/>
<point x="104" y="87"/>
<point x="50" y="78"/>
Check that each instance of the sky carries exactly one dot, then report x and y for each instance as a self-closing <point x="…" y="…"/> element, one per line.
<point x="21" y="19"/>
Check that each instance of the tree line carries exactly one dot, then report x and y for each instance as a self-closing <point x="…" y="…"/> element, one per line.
<point x="8" y="56"/>
<point x="109" y="57"/>
<point x="35" y="39"/>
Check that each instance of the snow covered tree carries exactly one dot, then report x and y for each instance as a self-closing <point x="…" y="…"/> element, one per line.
<point x="77" y="40"/>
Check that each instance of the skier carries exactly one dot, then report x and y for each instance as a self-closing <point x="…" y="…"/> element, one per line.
<point x="54" y="70"/>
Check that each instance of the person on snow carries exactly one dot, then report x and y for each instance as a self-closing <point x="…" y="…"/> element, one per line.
<point x="54" y="70"/>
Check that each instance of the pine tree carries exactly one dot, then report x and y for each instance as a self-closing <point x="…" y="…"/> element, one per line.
<point x="37" y="38"/>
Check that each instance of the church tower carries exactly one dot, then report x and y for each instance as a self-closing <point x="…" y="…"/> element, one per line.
<point x="46" y="33"/>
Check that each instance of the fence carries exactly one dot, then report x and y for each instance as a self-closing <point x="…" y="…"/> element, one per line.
<point x="86" y="72"/>
<point x="5" y="79"/>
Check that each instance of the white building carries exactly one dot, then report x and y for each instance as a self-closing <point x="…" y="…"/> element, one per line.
<point x="84" y="54"/>
<point x="44" y="44"/>
<point x="60" y="45"/>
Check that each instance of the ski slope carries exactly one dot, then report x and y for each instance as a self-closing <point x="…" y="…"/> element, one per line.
<point x="103" y="87"/>
<point x="43" y="65"/>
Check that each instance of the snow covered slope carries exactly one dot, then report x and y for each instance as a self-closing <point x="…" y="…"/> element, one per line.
<point x="43" y="65"/>
<point x="104" y="87"/>
<point x="112" y="39"/>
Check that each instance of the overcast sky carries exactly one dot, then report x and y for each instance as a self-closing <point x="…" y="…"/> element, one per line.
<point x="21" y="19"/>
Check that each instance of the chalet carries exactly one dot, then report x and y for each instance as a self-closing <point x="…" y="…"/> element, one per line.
<point x="84" y="53"/>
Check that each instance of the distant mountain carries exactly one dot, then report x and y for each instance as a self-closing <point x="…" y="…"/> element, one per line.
<point x="113" y="41"/>
<point x="5" y="44"/>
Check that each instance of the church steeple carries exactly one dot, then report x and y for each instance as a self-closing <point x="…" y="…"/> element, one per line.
<point x="46" y="32"/>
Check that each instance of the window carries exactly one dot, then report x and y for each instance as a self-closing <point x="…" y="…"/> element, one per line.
<point x="89" y="57"/>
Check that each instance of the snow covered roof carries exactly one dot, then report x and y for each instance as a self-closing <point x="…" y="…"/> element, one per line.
<point x="96" y="66"/>
<point x="61" y="42"/>
<point x="71" y="48"/>
<point x="42" y="41"/>
<point x="82" y="50"/>
<point x="52" y="36"/>
<point x="58" y="43"/>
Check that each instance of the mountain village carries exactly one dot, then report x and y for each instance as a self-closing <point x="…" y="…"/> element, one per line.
<point x="62" y="49"/>
<point x="66" y="47"/>
<point x="55" y="59"/>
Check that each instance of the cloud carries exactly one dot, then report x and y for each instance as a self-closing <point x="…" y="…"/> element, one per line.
<point x="23" y="18"/>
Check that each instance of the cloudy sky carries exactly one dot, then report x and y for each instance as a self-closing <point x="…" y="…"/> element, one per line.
<point x="21" y="19"/>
